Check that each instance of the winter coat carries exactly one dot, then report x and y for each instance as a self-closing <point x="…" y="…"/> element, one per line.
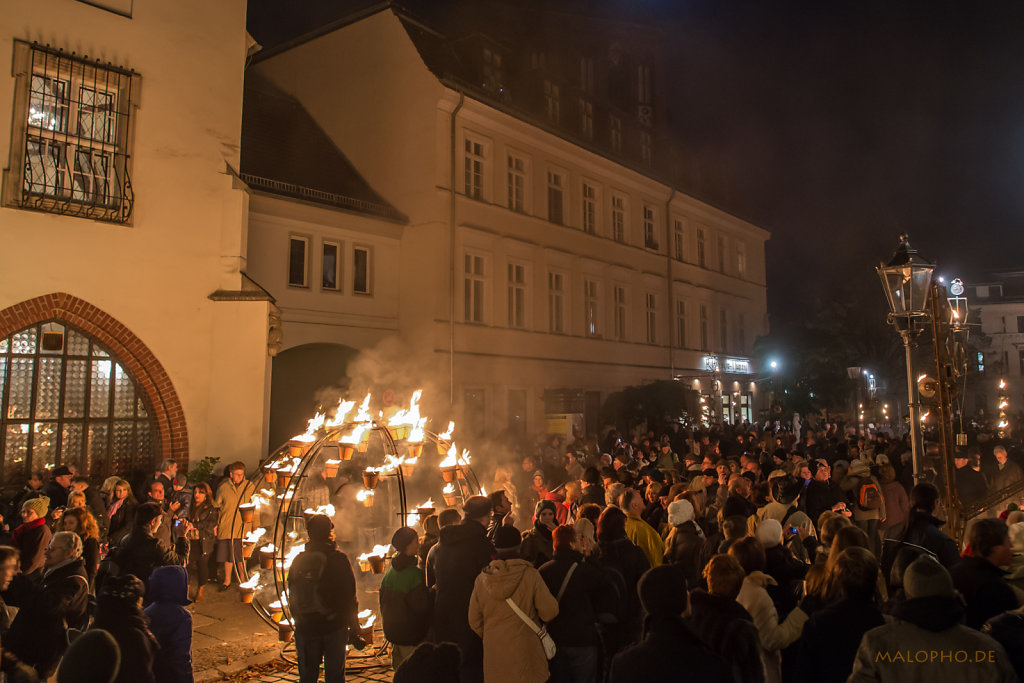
<point x="923" y="530"/>
<point x="140" y="554"/>
<point x="171" y="624"/>
<point x="204" y="518"/>
<point x="774" y="635"/>
<point x="625" y="564"/>
<point x="736" y="505"/>
<point x="644" y="536"/>
<point x="406" y="603"/>
<point x="1008" y="630"/>
<point x="1001" y="478"/>
<point x="537" y="545"/>
<point x="897" y="506"/>
<point x="788" y="573"/>
<point x="984" y="589"/>
<point x="31" y="540"/>
<point x="459" y="555"/>
<point x="90" y="557"/>
<point x="121" y="522"/>
<point x="656" y="515"/>
<point x="588" y="598"/>
<point x="59" y="598"/>
<point x="512" y="651"/>
<point x="227" y="500"/>
<point x="137" y="645"/>
<point x="830" y="640"/>
<point x="970" y="484"/>
<point x="57" y="494"/>
<point x="336" y="591"/>
<point x="889" y="653"/>
<point x="94" y="501"/>
<point x="852" y="484"/>
<point x="821" y="496"/>
<point x="728" y="629"/>
<point x="683" y="547"/>
<point x="669" y="652"/>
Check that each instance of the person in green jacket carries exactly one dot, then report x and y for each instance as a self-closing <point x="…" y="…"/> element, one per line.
<point x="405" y="602"/>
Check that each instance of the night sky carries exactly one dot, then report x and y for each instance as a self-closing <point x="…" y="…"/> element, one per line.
<point x="834" y="125"/>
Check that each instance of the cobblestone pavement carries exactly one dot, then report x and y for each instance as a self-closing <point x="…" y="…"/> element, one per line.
<point x="360" y="669"/>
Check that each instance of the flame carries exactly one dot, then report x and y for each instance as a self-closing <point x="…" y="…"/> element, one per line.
<point x="378" y="551"/>
<point x="449" y="488"/>
<point x="416" y="433"/>
<point x="369" y="622"/>
<point x="447" y="435"/>
<point x="483" y="491"/>
<point x="321" y="510"/>
<point x="364" y="411"/>
<point x="412" y="519"/>
<point x="344" y="408"/>
<point x="1003" y="404"/>
<point x="278" y="605"/>
<point x="268" y="548"/>
<point x="428" y="504"/>
<point x="1003" y="424"/>
<point x="410" y="416"/>
<point x="363" y="495"/>
<point x="251" y="584"/>
<point x="391" y="463"/>
<point x="357" y="433"/>
<point x="1002" y="384"/>
<point x="267" y="493"/>
<point x="292" y="554"/>
<point x="411" y="462"/>
<point x="364" y="614"/>
<point x="254" y="536"/>
<point x="309" y="436"/>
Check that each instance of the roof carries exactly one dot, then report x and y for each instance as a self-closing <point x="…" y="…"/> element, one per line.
<point x="285" y="152"/>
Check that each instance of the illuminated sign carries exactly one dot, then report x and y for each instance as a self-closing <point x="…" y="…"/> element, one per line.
<point x="710" y="363"/>
<point x="739" y="366"/>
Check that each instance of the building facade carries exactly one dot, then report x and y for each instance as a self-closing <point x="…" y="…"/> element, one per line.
<point x="546" y="257"/>
<point x="998" y="355"/>
<point x="129" y="331"/>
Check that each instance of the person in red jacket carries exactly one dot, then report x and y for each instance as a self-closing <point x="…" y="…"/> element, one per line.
<point x="33" y="536"/>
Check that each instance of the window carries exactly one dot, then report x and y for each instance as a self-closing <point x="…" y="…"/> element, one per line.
<point x="1020" y="324"/>
<point x="678" y="240"/>
<point x="516" y="296"/>
<point x="590" y="308"/>
<point x="69" y="402"/>
<point x="650" y="236"/>
<point x="555" y="198"/>
<point x="681" y="324"/>
<point x="589" y="209"/>
<point x="646" y="149"/>
<point x="618" y="218"/>
<point x="701" y="260"/>
<point x="474" y="288"/>
<point x="741" y="334"/>
<point x="551" y="102"/>
<point x="556" y="303"/>
<point x="741" y="259"/>
<point x="516" y="183"/>
<point x="620" y="313"/>
<point x="492" y="71"/>
<point x="297" y="261"/>
<point x="721" y="253"/>
<point x="704" y="341"/>
<point x="723" y="329"/>
<point x="586" y="119"/>
<point x="474" y="169"/>
<point x="651" y="313"/>
<point x="361" y="275"/>
<point x="73" y="136"/>
<point x="643" y="83"/>
<point x="587" y="74"/>
<point x="615" y="133"/>
<point x="330" y="264"/>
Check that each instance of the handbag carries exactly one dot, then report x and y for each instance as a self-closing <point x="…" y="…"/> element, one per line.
<point x="542" y="633"/>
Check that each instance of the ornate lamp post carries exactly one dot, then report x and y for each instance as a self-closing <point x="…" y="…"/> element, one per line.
<point x="907" y="279"/>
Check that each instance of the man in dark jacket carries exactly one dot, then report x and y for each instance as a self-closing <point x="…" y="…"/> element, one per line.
<point x="461" y="553"/>
<point x="38" y="635"/>
<point x="922" y="530"/>
<point x="322" y="595"/>
<point x="593" y="491"/>
<point x="405" y="601"/>
<point x="140" y="552"/>
<point x="722" y="623"/>
<point x="583" y="600"/>
<point x="738" y="503"/>
<point x="970" y="483"/>
<point x="59" y="487"/>
<point x="1008" y="630"/>
<point x="978" y="576"/>
<point x="669" y="650"/>
<point x="822" y="493"/>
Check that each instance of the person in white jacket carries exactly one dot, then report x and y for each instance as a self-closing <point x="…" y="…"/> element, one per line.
<point x="754" y="597"/>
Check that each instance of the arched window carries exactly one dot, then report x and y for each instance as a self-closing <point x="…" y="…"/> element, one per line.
<point x="66" y="400"/>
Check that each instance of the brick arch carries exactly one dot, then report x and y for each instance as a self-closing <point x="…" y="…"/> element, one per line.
<point x="149" y="374"/>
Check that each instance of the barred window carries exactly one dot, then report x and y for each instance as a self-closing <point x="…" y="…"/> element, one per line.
<point x="72" y="143"/>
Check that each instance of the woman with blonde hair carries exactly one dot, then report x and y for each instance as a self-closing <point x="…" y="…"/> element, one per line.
<point x="79" y="520"/>
<point x="107" y="489"/>
<point x="121" y="511"/>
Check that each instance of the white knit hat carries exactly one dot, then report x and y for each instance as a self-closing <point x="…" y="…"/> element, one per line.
<point x="769" y="532"/>
<point x="680" y="511"/>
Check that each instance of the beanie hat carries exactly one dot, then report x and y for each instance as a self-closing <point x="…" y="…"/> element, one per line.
<point x="543" y="505"/>
<point x="401" y="539"/>
<point x="769" y="532"/>
<point x="927" y="578"/>
<point x="507" y="538"/>
<point x="92" y="657"/>
<point x="662" y="591"/>
<point x="680" y="511"/>
<point x="127" y="588"/>
<point x="319" y="528"/>
<point x="476" y="507"/>
<point x="38" y="505"/>
<point x="62" y="471"/>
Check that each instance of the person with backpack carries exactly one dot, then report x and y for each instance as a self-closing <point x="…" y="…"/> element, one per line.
<point x="405" y="601"/>
<point x="584" y="595"/>
<point x="868" y="502"/>
<point x="323" y="605"/>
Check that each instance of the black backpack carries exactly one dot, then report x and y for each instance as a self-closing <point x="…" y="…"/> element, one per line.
<point x="304" y="585"/>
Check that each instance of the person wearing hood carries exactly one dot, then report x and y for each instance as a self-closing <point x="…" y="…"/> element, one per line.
<point x="461" y="553"/>
<point x="405" y="601"/>
<point x="780" y="564"/>
<point x="584" y="596"/>
<point x="929" y="621"/>
<point x="32" y="537"/>
<point x="832" y="635"/>
<point x="775" y="635"/>
<point x="537" y="542"/>
<point x="38" y="634"/>
<point x="512" y="651"/>
<point x="171" y="624"/>
<point x="119" y="613"/>
<point x="684" y="542"/>
<point x="979" y="577"/>
<point x="669" y="649"/>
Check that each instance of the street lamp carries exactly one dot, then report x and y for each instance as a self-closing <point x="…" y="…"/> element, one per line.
<point x="906" y="279"/>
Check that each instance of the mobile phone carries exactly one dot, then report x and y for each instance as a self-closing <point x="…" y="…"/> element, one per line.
<point x="793" y="530"/>
<point x="177" y="522"/>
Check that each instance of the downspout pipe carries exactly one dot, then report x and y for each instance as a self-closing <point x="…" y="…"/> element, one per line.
<point x="672" y="329"/>
<point x="451" y="256"/>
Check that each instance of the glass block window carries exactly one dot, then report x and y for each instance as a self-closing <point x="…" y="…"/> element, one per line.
<point x="65" y="400"/>
<point x="75" y="146"/>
